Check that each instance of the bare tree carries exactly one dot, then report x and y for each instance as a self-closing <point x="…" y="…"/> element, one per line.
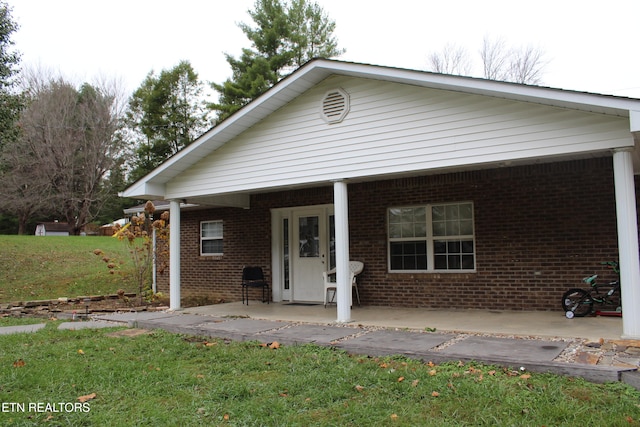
<point x="23" y="190"/>
<point x="494" y="57"/>
<point x="69" y="136"/>
<point x="526" y="65"/>
<point x="499" y="61"/>
<point x="452" y="59"/>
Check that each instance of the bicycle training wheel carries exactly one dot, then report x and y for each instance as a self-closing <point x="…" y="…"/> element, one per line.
<point x="578" y="302"/>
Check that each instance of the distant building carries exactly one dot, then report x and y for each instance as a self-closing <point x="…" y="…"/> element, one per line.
<point x="52" y="229"/>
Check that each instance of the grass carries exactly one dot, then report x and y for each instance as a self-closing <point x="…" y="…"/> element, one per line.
<point x="36" y="267"/>
<point x="168" y="379"/>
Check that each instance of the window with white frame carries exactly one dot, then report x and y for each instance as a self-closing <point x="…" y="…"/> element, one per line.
<point x="432" y="238"/>
<point x="211" y="238"/>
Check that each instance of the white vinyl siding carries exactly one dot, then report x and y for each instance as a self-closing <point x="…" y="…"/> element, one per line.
<point x="211" y="238"/>
<point x="394" y="129"/>
<point x="437" y="237"/>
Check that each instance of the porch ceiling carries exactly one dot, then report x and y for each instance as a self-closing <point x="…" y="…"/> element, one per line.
<point x="242" y="199"/>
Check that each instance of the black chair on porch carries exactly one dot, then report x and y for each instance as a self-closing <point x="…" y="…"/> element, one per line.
<point x="253" y="277"/>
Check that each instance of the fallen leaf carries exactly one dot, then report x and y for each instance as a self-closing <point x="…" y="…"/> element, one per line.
<point x="525" y="376"/>
<point x="492" y="373"/>
<point x="86" y="397"/>
<point x="274" y="345"/>
<point x="80" y="351"/>
<point x="432" y="372"/>
<point x="359" y="388"/>
<point x="226" y="417"/>
<point x="384" y="365"/>
<point x="400" y="379"/>
<point x="394" y="416"/>
<point x="431" y="364"/>
<point x="19" y="363"/>
<point x="415" y="383"/>
<point x="435" y="394"/>
<point x="209" y="344"/>
<point x="200" y="376"/>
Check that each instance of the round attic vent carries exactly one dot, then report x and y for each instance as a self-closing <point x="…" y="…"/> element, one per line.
<point x="335" y="106"/>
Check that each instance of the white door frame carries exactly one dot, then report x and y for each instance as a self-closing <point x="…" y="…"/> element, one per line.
<point x="278" y="246"/>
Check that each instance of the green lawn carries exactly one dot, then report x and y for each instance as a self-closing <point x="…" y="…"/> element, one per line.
<point x="37" y="267"/>
<point x="164" y="379"/>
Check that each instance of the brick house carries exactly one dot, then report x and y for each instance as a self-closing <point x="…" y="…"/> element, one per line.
<point x="455" y="192"/>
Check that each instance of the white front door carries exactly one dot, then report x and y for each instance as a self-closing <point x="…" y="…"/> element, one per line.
<point x="309" y="254"/>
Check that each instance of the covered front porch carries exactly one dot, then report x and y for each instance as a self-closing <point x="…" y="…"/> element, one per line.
<point x="517" y="323"/>
<point x="544" y="178"/>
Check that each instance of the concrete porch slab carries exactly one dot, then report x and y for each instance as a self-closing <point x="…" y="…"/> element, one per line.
<point x="389" y="342"/>
<point x="302" y="334"/>
<point x="238" y="329"/>
<point x="176" y="323"/>
<point x="523" y="350"/>
<point x="18" y="329"/>
<point x="512" y="323"/>
<point x="134" y="316"/>
<point x="89" y="324"/>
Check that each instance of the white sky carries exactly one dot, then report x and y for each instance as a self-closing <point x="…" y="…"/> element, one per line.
<point x="591" y="45"/>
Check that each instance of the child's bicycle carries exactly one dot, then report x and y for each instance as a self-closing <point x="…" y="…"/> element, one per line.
<point x="579" y="302"/>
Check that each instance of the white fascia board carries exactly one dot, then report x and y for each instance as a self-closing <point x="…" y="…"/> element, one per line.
<point x="634" y="120"/>
<point x="317" y="70"/>
<point x="143" y="189"/>
<point x="217" y="136"/>
<point x="607" y="104"/>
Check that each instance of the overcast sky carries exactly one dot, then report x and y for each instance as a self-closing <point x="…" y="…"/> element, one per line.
<point x="591" y="45"/>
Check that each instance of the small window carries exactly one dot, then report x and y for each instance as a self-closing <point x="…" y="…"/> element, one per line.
<point x="211" y="238"/>
<point x="432" y="238"/>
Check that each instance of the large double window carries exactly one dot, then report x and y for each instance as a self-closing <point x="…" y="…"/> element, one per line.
<point x="211" y="238"/>
<point x="432" y="238"/>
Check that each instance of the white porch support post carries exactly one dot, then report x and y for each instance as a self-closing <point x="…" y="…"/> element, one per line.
<point x="627" y="242"/>
<point x="343" y="287"/>
<point x="174" y="255"/>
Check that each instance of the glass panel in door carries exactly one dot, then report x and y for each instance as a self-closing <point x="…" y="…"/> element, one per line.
<point x="309" y="235"/>
<point x="309" y="256"/>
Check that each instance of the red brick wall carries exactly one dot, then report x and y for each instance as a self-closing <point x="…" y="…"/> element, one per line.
<point x="247" y="241"/>
<point x="539" y="229"/>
